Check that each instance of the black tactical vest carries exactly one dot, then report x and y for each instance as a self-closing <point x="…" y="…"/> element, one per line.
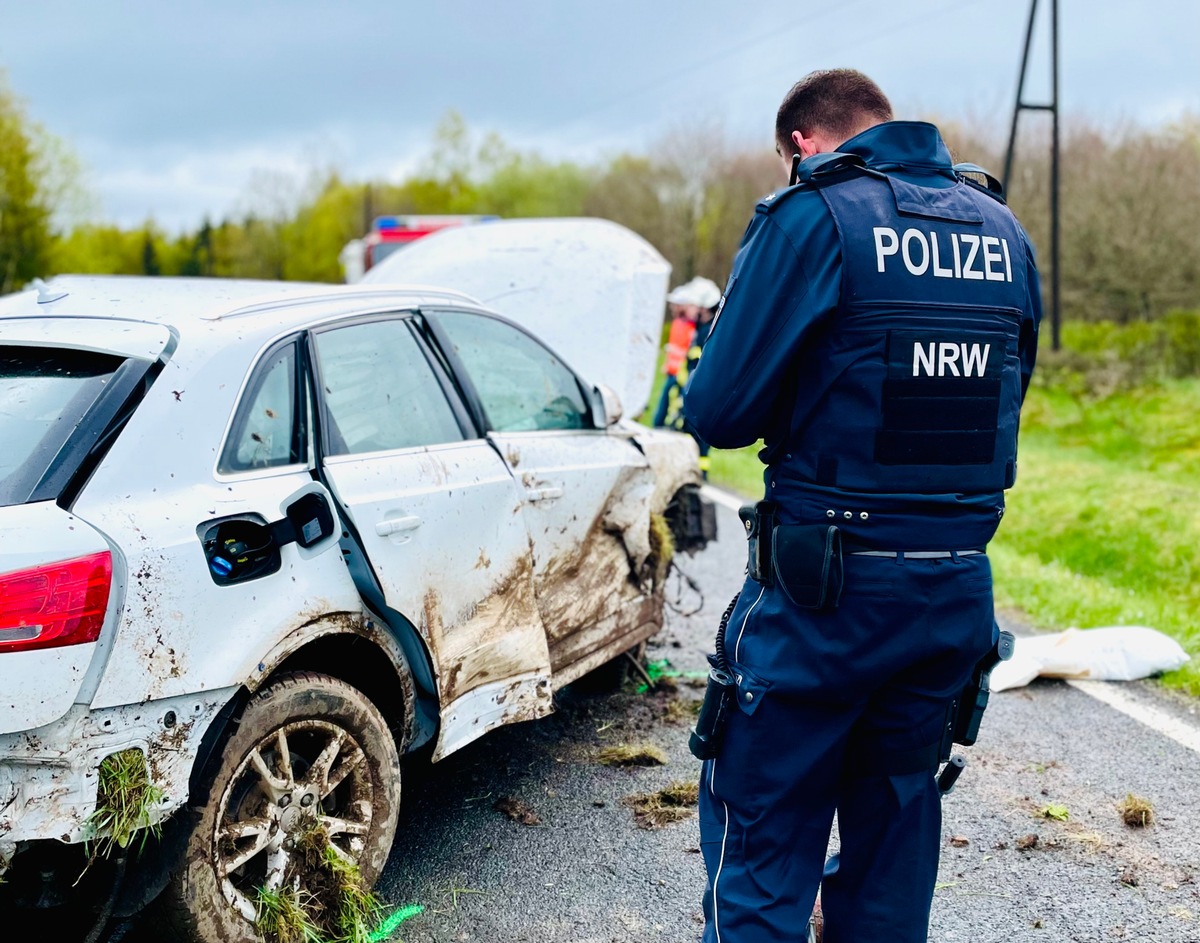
<point x="919" y="375"/>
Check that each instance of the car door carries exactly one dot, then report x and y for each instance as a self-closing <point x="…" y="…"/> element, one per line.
<point x="439" y="518"/>
<point x="587" y="491"/>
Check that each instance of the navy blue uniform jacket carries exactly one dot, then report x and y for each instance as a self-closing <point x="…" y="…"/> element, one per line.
<point x="781" y="303"/>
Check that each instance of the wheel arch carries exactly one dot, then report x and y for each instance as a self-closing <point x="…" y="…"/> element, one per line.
<point x="389" y="664"/>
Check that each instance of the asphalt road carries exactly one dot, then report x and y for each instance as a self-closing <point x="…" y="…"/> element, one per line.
<point x="586" y="873"/>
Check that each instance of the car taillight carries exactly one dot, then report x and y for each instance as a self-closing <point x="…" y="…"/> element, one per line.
<point x="55" y="604"/>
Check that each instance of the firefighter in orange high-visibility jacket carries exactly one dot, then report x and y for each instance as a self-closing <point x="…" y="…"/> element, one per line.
<point x="685" y="312"/>
<point x="707" y="296"/>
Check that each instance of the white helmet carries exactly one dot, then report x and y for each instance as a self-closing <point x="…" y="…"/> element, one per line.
<point x="704" y="292"/>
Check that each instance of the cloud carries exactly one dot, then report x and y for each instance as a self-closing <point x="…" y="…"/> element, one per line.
<point x="173" y="106"/>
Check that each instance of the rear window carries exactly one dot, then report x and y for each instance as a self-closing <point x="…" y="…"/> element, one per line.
<point x="44" y="395"/>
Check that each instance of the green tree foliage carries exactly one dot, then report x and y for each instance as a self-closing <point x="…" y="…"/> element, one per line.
<point x="656" y="199"/>
<point x="528" y="185"/>
<point x="313" y="239"/>
<point x="101" y="249"/>
<point x="1130" y="245"/>
<point x="25" y="213"/>
<point x="150" y="265"/>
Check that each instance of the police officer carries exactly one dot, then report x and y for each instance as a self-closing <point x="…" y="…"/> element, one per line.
<point x="878" y="332"/>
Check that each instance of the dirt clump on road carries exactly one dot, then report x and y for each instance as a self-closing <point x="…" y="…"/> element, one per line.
<point x="638" y="754"/>
<point x="517" y="810"/>
<point x="1136" y="812"/>
<point x="673" y="804"/>
<point x="682" y="711"/>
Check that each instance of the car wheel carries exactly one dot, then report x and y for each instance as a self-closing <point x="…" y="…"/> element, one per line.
<point x="310" y="761"/>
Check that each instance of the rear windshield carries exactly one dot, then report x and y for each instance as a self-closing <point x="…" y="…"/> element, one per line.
<point x="44" y="394"/>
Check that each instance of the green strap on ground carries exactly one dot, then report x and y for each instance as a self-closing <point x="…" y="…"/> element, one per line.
<point x="656" y="670"/>
<point x="388" y="927"/>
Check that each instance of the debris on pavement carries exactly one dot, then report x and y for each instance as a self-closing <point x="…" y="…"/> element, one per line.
<point x="672" y="804"/>
<point x="1025" y="842"/>
<point x="1136" y="812"/>
<point x="517" y="810"/>
<point x="660" y="675"/>
<point x="1056" y="811"/>
<point x="1115" y="653"/>
<point x="682" y="710"/>
<point x="397" y="917"/>
<point x="639" y="754"/>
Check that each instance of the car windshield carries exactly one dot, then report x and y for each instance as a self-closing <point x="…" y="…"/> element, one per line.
<point x="44" y="394"/>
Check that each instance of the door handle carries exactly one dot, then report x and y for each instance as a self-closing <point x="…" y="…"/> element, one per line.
<point x="543" y="494"/>
<point x="397" y="525"/>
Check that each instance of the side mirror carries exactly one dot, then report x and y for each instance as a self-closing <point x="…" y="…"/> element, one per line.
<point x="609" y="403"/>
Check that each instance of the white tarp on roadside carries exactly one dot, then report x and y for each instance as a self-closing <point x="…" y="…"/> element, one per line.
<point x="590" y="288"/>
<point x="1119" y="653"/>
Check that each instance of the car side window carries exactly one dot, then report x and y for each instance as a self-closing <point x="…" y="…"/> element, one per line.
<point x="523" y="386"/>
<point x="379" y="392"/>
<point x="267" y="431"/>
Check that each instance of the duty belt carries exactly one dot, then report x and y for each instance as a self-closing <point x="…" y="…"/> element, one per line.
<point x="761" y="522"/>
<point x="915" y="554"/>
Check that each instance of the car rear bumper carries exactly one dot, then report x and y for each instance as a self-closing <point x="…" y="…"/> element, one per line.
<point x="49" y="776"/>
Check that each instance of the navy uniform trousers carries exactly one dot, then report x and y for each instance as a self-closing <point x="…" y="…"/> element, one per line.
<point x="822" y="695"/>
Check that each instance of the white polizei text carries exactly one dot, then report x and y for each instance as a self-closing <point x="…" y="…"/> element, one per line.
<point x="969" y="255"/>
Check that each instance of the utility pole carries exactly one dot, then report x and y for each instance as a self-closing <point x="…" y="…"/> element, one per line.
<point x="1052" y="107"/>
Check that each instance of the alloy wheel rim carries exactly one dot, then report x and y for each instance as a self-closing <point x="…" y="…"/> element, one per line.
<point x="305" y="782"/>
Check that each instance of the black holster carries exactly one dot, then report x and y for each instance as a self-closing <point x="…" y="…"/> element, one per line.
<point x="705" y="740"/>
<point x="973" y="701"/>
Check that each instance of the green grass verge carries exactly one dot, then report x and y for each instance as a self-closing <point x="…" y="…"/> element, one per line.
<point x="1104" y="523"/>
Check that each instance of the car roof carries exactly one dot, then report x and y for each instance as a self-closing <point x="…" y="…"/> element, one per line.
<point x="179" y="302"/>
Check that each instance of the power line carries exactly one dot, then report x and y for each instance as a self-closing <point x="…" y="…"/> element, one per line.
<point x="882" y="34"/>
<point x="707" y="63"/>
<point x="757" y="40"/>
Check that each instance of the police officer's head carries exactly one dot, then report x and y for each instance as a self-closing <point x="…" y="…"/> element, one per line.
<point x="826" y="108"/>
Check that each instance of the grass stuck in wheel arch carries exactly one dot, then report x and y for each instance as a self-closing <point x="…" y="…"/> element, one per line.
<point x="125" y="797"/>
<point x="662" y="550"/>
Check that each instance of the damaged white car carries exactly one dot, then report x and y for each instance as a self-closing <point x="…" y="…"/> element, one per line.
<point x="261" y="540"/>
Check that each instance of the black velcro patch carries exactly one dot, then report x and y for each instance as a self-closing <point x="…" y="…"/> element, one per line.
<point x="941" y="398"/>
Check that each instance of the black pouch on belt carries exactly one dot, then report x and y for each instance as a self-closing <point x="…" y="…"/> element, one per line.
<point x="807" y="559"/>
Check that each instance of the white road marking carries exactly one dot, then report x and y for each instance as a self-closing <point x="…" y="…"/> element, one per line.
<point x="731" y="501"/>
<point x="1107" y="692"/>
<point x="1110" y="693"/>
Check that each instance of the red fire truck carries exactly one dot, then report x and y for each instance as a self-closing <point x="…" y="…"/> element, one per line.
<point x="389" y="233"/>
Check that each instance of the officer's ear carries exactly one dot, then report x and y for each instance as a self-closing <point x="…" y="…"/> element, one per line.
<point x="805" y="147"/>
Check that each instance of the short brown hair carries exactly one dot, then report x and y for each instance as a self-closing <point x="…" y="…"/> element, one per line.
<point x="836" y="101"/>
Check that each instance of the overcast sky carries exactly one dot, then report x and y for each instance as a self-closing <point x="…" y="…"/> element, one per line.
<point x="172" y="107"/>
